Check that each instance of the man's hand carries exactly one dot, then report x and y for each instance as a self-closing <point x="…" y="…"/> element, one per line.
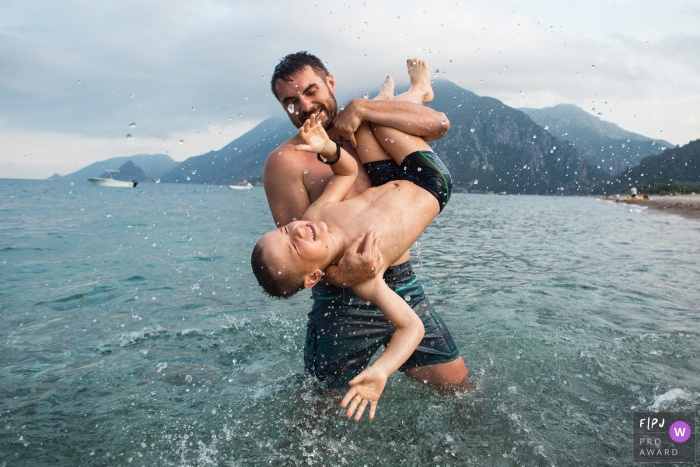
<point x="361" y="262"/>
<point x="367" y="387"/>
<point x="348" y="121"/>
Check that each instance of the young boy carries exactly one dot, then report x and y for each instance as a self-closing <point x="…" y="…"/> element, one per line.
<point x="411" y="188"/>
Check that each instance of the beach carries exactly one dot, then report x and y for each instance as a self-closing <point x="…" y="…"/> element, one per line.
<point x="687" y="206"/>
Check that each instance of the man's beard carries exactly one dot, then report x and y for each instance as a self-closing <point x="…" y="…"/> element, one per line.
<point x="331" y="110"/>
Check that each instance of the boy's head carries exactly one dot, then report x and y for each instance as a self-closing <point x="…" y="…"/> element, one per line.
<point x="291" y="258"/>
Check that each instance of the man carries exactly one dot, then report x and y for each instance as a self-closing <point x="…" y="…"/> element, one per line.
<point x="342" y="332"/>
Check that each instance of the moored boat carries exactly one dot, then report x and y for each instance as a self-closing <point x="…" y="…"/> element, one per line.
<point x="109" y="181"/>
<point x="246" y="186"/>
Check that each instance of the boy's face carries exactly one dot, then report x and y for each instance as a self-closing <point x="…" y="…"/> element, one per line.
<point x="298" y="247"/>
<point x="307" y="94"/>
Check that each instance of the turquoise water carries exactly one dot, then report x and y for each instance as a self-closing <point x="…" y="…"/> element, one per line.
<point x="133" y="333"/>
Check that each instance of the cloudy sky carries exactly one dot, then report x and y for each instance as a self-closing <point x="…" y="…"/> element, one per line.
<point x="186" y="77"/>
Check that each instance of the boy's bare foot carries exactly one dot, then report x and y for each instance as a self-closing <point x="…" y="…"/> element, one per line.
<point x="419" y="74"/>
<point x="386" y="92"/>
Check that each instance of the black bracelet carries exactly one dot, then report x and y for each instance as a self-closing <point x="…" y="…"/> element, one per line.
<point x="337" y="155"/>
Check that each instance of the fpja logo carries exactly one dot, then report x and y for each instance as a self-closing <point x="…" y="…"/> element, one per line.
<point x="679" y="431"/>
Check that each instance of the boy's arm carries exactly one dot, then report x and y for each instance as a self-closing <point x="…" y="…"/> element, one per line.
<point x="410" y="118"/>
<point x="367" y="387"/>
<point x="344" y="168"/>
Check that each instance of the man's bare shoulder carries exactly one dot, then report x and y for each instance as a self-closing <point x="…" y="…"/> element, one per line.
<point x="284" y="151"/>
<point x="286" y="169"/>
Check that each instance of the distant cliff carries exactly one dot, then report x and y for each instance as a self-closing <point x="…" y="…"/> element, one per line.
<point x="493" y="147"/>
<point x="602" y="143"/>
<point x="154" y="165"/>
<point x="242" y="159"/>
<point x="130" y="171"/>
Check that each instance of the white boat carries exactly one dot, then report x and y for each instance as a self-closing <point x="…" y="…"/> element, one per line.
<point x="246" y="186"/>
<point x="111" y="182"/>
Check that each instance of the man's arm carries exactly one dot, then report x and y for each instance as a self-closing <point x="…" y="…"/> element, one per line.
<point x="284" y="186"/>
<point x="407" y="117"/>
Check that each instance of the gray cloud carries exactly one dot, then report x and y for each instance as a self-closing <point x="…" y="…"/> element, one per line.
<point x="71" y="68"/>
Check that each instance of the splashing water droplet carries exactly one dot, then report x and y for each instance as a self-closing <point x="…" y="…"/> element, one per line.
<point x="188" y="178"/>
<point x="132" y="125"/>
<point x="391" y="140"/>
<point x="420" y="169"/>
<point x="279" y="272"/>
<point x="133" y="95"/>
<point x="306" y="171"/>
<point x="407" y="298"/>
<point x="472" y="130"/>
<point x="129" y="137"/>
<point x="290" y="108"/>
<point x="80" y="81"/>
<point x="157" y="180"/>
<point x="476" y="182"/>
<point x="366" y="96"/>
<point x="193" y="172"/>
<point x="546" y="127"/>
<point x="182" y="141"/>
<point x="444" y="122"/>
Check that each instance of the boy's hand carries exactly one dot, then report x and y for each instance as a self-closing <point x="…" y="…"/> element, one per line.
<point x="316" y="139"/>
<point x="360" y="262"/>
<point x="367" y="387"/>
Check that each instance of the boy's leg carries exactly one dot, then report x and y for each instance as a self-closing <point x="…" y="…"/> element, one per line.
<point x="395" y="142"/>
<point x="378" y="144"/>
<point x="421" y="91"/>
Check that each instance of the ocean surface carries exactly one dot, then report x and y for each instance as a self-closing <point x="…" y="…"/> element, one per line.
<point x="132" y="333"/>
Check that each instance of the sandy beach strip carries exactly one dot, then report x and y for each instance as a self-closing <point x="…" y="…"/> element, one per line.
<point x="684" y="205"/>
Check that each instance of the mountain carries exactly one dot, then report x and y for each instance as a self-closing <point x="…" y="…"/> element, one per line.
<point x="242" y="159"/>
<point x="490" y="147"/>
<point x="493" y="147"/>
<point x="129" y="171"/>
<point x="602" y="143"/>
<point x="680" y="164"/>
<point x="154" y="165"/>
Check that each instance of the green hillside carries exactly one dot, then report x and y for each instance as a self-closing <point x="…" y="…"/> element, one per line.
<point x="681" y="165"/>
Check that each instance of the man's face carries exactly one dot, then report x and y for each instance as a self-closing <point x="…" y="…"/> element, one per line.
<point x="307" y="94"/>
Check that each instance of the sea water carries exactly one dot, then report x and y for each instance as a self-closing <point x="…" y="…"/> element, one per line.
<point x="132" y="332"/>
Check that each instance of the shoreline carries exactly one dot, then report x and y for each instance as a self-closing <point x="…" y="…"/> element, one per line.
<point x="687" y="206"/>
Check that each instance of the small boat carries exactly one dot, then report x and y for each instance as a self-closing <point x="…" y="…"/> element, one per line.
<point x="245" y="186"/>
<point x="109" y="181"/>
